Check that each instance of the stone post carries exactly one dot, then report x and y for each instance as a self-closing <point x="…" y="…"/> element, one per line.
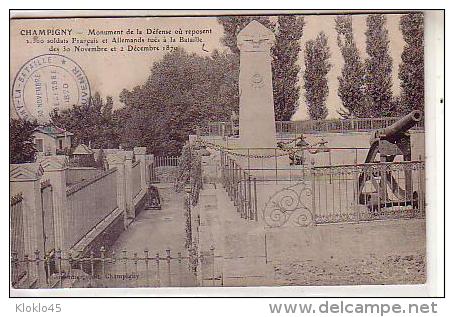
<point x="140" y="153"/>
<point x="130" y="212"/>
<point x="26" y="179"/>
<point x="117" y="160"/>
<point x="55" y="168"/>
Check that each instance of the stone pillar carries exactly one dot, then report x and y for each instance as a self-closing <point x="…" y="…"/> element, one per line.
<point x="148" y="170"/>
<point x="130" y="212"/>
<point x="140" y="153"/>
<point x="26" y="179"/>
<point x="117" y="160"/>
<point x="257" y="127"/>
<point x="55" y="168"/>
<point x="257" y="124"/>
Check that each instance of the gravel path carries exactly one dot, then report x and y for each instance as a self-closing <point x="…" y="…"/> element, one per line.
<point x="155" y="231"/>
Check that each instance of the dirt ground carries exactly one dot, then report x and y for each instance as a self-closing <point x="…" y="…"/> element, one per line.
<point x="392" y="269"/>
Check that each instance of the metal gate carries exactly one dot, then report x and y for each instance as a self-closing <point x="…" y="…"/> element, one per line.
<point x="163" y="169"/>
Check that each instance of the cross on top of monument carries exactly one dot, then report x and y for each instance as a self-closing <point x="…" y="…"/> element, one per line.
<point x="255" y="37"/>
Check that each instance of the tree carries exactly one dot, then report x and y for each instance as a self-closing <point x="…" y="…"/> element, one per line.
<point x="317" y="66"/>
<point x="285" y="66"/>
<point x="411" y="69"/>
<point x="184" y="91"/>
<point x="21" y="146"/>
<point x="91" y="124"/>
<point x="351" y="81"/>
<point x="378" y="68"/>
<point x="285" y="53"/>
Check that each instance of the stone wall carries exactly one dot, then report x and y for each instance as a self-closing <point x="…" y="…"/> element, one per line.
<point x="76" y="175"/>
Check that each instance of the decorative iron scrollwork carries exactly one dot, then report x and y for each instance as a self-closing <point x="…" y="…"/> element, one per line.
<point x="287" y="206"/>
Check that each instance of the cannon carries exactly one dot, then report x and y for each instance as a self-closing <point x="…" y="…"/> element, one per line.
<point x="388" y="143"/>
<point x="397" y="131"/>
<point x="393" y="140"/>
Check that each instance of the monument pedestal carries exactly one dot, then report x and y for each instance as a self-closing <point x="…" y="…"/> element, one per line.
<point x="265" y="163"/>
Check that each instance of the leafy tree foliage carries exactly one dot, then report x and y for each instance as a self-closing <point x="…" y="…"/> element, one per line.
<point x="351" y="81"/>
<point x="411" y="70"/>
<point x="21" y="146"/>
<point x="378" y="68"/>
<point x="285" y="66"/>
<point x="183" y="91"/>
<point x="317" y="66"/>
<point x="91" y="124"/>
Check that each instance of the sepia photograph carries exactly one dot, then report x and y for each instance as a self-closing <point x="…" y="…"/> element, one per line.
<point x="218" y="150"/>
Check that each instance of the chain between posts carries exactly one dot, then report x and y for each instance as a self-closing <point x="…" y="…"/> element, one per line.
<point x="286" y="151"/>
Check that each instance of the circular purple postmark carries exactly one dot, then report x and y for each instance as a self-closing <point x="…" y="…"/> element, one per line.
<point x="48" y="82"/>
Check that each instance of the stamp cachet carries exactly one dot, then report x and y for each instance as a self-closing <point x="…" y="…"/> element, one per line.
<point x="48" y="82"/>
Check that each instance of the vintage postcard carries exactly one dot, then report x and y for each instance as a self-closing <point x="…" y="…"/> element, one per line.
<point x="221" y="150"/>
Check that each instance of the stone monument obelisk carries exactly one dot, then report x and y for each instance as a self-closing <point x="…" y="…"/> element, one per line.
<point x="257" y="125"/>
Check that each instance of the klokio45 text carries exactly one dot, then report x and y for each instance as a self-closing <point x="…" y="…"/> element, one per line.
<point x="38" y="308"/>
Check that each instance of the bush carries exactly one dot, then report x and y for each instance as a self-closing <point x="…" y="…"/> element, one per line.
<point x="190" y="172"/>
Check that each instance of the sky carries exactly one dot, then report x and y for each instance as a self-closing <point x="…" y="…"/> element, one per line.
<point x="110" y="72"/>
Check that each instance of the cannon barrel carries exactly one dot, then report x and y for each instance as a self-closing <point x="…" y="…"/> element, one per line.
<point x="402" y="125"/>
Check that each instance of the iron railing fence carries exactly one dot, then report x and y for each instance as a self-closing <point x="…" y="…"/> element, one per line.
<point x="125" y="268"/>
<point x="166" y="161"/>
<point x="348" y="193"/>
<point x="294" y="163"/>
<point x="333" y="192"/>
<point x="312" y="126"/>
<point x="152" y="177"/>
<point x="241" y="187"/>
<point x="163" y="169"/>
<point x="369" y="191"/>
<point x="17" y="237"/>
